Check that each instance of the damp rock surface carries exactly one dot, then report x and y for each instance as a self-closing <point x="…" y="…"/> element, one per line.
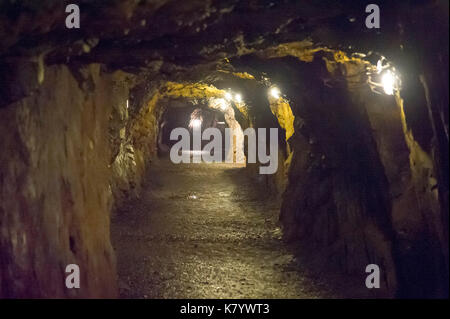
<point x="202" y="231"/>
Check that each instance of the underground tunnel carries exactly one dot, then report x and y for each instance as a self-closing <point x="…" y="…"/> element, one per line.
<point x="223" y="149"/>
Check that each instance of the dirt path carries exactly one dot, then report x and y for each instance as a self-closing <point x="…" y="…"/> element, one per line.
<point x="202" y="231"/>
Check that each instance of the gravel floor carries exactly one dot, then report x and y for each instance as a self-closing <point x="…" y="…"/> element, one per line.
<point x="203" y="231"/>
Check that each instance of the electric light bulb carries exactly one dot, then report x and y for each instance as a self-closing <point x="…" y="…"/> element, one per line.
<point x="388" y="82"/>
<point x="275" y="92"/>
<point x="238" y="98"/>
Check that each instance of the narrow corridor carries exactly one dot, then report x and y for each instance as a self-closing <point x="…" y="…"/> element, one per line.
<point x="202" y="231"/>
<point x="338" y="109"/>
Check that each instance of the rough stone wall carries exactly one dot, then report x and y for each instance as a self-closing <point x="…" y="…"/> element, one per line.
<point x="337" y="199"/>
<point x="127" y="165"/>
<point x="419" y="223"/>
<point x="55" y="185"/>
<point x="361" y="189"/>
<point x="357" y="158"/>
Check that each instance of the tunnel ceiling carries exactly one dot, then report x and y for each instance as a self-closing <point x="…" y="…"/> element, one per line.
<point x="183" y="33"/>
<point x="169" y="36"/>
<point x="223" y="43"/>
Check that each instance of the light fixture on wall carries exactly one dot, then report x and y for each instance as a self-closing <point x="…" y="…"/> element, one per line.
<point x="275" y="92"/>
<point x="383" y="78"/>
<point x="388" y="81"/>
<point x="230" y="96"/>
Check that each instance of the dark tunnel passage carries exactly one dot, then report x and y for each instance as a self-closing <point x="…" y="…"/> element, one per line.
<point x="186" y="117"/>
<point x="224" y="149"/>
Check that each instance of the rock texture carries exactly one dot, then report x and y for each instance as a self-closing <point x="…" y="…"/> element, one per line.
<point x="55" y="191"/>
<point x="363" y="178"/>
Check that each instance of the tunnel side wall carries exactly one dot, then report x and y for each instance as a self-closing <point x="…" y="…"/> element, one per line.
<point x="58" y="172"/>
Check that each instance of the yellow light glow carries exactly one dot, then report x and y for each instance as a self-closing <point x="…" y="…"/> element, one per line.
<point x="196" y="123"/>
<point x="238" y="98"/>
<point x="275" y="92"/>
<point x="388" y="82"/>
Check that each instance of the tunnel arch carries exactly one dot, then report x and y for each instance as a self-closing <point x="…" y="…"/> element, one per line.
<point x="363" y="176"/>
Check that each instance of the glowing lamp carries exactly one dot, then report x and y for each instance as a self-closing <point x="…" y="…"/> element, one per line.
<point x="388" y="82"/>
<point x="275" y="92"/>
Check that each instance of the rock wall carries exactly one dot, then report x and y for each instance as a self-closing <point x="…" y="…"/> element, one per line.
<point x="336" y="202"/>
<point x="57" y="167"/>
<point x="360" y="189"/>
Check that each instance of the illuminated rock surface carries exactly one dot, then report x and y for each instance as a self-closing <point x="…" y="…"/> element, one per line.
<point x="362" y="178"/>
